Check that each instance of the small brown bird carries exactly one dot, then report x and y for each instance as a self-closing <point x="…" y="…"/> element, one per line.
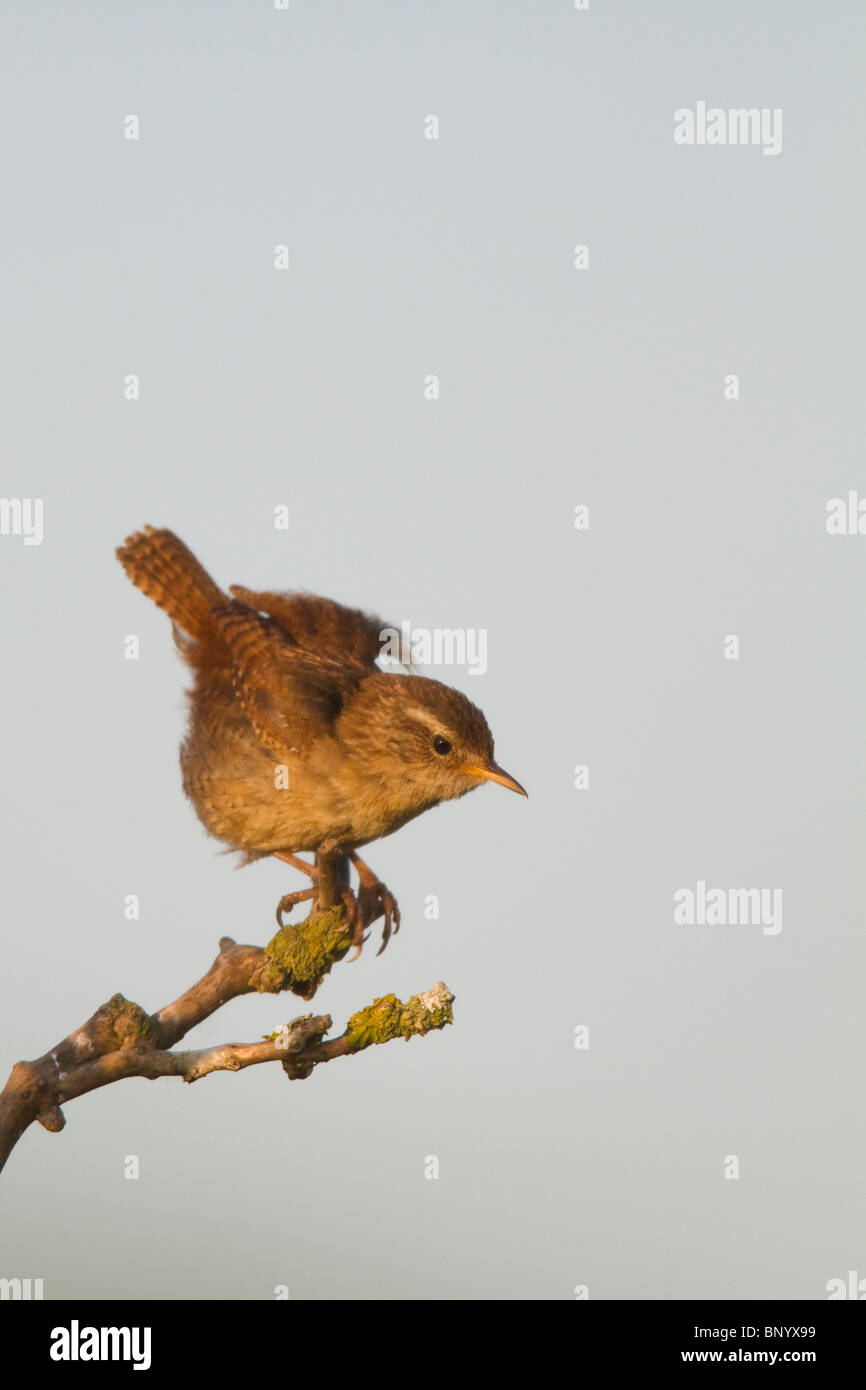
<point x="297" y="741"/>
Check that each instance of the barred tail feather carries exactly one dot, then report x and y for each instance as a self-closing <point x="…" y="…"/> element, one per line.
<point x="158" y="563"/>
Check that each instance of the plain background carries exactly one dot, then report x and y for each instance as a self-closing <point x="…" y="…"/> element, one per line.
<point x="557" y="1167"/>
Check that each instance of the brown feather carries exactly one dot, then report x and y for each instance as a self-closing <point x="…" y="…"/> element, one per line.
<point x="158" y="563"/>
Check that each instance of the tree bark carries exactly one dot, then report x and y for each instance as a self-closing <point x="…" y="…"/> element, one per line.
<point x="121" y="1039"/>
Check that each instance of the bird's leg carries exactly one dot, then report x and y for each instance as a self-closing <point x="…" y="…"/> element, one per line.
<point x="288" y="900"/>
<point x="330" y="877"/>
<point x="309" y="869"/>
<point x="374" y="900"/>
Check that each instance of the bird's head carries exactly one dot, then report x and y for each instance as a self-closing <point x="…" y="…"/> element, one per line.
<point x="422" y="737"/>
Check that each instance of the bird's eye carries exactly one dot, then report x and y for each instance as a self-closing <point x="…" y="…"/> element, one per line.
<point x="441" y="744"/>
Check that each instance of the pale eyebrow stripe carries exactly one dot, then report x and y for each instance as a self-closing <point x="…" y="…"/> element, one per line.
<point x="431" y="722"/>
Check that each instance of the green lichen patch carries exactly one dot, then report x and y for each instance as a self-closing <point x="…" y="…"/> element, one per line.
<point x="388" y="1018"/>
<point x="299" y="956"/>
<point x="120" y="1023"/>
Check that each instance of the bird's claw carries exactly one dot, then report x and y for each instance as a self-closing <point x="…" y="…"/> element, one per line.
<point x="373" y="900"/>
<point x="289" y="900"/>
<point x="387" y="907"/>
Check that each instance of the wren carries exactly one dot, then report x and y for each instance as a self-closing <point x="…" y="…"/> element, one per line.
<point x="297" y="741"/>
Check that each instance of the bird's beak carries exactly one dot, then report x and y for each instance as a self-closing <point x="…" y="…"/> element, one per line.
<point x="493" y="773"/>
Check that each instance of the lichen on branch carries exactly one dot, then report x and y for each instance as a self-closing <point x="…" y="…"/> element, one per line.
<point x="121" y="1039"/>
<point x="388" y="1018"/>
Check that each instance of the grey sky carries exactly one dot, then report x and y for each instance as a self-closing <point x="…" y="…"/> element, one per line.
<point x="558" y="1167"/>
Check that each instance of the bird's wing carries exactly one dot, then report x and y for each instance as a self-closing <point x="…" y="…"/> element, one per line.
<point x="321" y="625"/>
<point x="290" y="696"/>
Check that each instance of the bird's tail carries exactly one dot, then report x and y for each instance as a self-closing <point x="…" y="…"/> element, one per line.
<point x="158" y="563"/>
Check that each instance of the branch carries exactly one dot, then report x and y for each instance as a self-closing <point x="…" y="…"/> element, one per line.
<point x="122" y="1040"/>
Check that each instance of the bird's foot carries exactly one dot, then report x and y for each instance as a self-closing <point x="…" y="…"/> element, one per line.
<point x="288" y="901"/>
<point x="355" y="920"/>
<point x="373" y="900"/>
<point x="377" y="901"/>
